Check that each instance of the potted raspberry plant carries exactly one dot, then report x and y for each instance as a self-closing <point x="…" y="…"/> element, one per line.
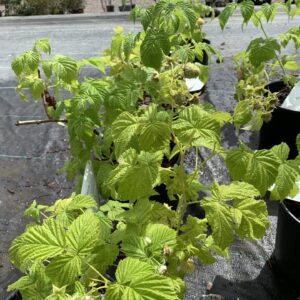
<point x="271" y="107"/>
<point x="132" y="122"/>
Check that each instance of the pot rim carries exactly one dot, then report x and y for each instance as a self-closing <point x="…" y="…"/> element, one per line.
<point x="289" y="212"/>
<point x="279" y="106"/>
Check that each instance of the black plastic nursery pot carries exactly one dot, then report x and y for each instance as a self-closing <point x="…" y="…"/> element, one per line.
<point x="261" y="2"/>
<point x="110" y="8"/>
<point x="283" y="127"/>
<point x="77" y="11"/>
<point x="127" y="7"/>
<point x="258" y="2"/>
<point x="287" y="246"/>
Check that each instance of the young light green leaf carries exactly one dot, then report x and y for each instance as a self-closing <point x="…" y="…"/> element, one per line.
<point x="236" y="190"/>
<point x="35" y="285"/>
<point x="18" y="65"/>
<point x="82" y="201"/>
<point x="65" y="68"/>
<point x="32" y="59"/>
<point x="151" y="244"/>
<point x="269" y="11"/>
<point x="97" y="62"/>
<point x="43" y="45"/>
<point x="47" y="68"/>
<point x="36" y="87"/>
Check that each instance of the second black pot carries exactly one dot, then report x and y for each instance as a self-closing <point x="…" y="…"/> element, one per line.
<point x="283" y="127"/>
<point x="110" y="8"/>
<point x="127" y="7"/>
<point x="287" y="247"/>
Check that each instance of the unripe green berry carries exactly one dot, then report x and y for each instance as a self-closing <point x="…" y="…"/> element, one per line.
<point x="191" y="71"/>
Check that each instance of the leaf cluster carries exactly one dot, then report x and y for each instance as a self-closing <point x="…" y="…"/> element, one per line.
<point x="262" y="61"/>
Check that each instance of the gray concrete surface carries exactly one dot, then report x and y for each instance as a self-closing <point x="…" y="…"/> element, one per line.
<point x="30" y="158"/>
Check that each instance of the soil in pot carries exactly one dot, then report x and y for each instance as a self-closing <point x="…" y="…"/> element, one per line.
<point x="284" y="125"/>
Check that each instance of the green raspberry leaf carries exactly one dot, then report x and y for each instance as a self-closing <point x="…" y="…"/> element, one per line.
<point x="153" y="48"/>
<point x="151" y="244"/>
<point x="281" y="151"/>
<point x="220" y="219"/>
<point x="247" y="9"/>
<point x="64" y="68"/>
<point x="196" y="127"/>
<point x="258" y="168"/>
<point x="226" y="14"/>
<point x="242" y="114"/>
<point x="47" y="68"/>
<point x="261" y="50"/>
<point x="82" y="233"/>
<point x="155" y="130"/>
<point x="124" y="128"/>
<point x="251" y="218"/>
<point x="18" y="65"/>
<point x="43" y="45"/>
<point x="285" y="180"/>
<point x="64" y="270"/>
<point x="269" y="11"/>
<point x="39" y="243"/>
<point x="136" y="280"/>
<point x="135" y="175"/>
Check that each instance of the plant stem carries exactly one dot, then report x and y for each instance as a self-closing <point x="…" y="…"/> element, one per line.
<point x="197" y="157"/>
<point x="37" y="122"/>
<point x="98" y="273"/>
<point x="207" y="159"/>
<point x="266" y="36"/>
<point x="182" y="203"/>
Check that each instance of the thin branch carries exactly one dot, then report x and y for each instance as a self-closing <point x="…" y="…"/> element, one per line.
<point x="37" y="122"/>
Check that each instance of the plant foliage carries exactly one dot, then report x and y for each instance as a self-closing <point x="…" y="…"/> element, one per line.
<point x="138" y="122"/>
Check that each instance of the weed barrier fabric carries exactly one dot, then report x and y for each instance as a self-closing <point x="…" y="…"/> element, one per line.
<point x="30" y="157"/>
